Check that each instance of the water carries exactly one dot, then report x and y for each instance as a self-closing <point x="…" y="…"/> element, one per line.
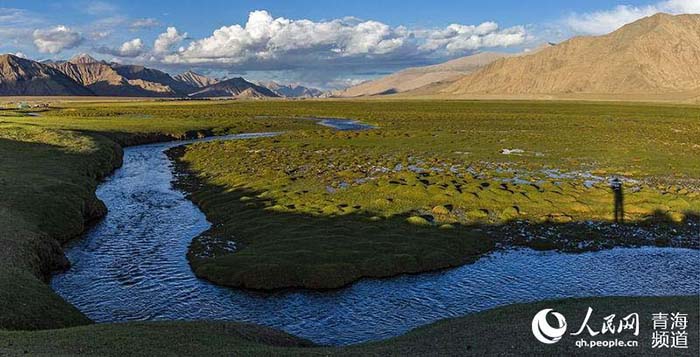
<point x="132" y="266"/>
<point x="344" y="124"/>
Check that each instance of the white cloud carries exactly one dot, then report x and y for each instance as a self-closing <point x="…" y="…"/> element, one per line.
<point x="681" y="6"/>
<point x="602" y="22"/>
<point x="131" y="48"/>
<point x="460" y="38"/>
<point x="144" y="23"/>
<point x="56" y="39"/>
<point x="167" y="40"/>
<point x="16" y="27"/>
<point x="281" y="41"/>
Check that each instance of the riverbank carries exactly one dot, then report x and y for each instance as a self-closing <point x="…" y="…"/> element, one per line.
<point x="49" y="170"/>
<point x="322" y="210"/>
<point x="55" y="161"/>
<point x="501" y="331"/>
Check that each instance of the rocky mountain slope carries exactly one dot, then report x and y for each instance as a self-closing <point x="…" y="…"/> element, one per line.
<point x="416" y="77"/>
<point x="19" y="76"/>
<point x="655" y="55"/>
<point x="195" y="80"/>
<point x="104" y="79"/>
<point x="234" y="87"/>
<point x="292" y="90"/>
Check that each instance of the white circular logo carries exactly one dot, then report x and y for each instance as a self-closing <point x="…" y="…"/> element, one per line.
<point x="543" y="331"/>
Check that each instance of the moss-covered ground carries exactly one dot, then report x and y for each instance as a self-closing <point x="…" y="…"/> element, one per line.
<point x="436" y="184"/>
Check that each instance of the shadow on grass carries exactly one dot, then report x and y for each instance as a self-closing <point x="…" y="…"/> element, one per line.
<point x="47" y="198"/>
<point x="257" y="244"/>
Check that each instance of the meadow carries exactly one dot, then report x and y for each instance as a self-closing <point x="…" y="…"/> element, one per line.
<point x="435" y="184"/>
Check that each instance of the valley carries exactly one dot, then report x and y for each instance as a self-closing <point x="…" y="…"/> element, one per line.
<point x="318" y="184"/>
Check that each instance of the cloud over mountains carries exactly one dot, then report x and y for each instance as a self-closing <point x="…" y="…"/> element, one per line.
<point x="315" y="52"/>
<point x="602" y="22"/>
<point x="56" y="39"/>
<point x="285" y="42"/>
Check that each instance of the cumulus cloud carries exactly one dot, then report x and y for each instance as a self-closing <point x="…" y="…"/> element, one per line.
<point x="167" y="40"/>
<point x="266" y="38"/>
<point x="602" y="22"/>
<point x="460" y="38"/>
<point x="280" y="41"/>
<point x="132" y="48"/>
<point x="56" y="39"/>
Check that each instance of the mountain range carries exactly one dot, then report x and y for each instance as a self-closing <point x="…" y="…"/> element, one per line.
<point x="292" y="90"/>
<point x="417" y="77"/>
<point x="19" y="76"/>
<point x="83" y="75"/>
<point x="657" y="57"/>
<point x="234" y="87"/>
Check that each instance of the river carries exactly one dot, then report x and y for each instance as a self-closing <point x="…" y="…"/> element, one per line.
<point x="132" y="266"/>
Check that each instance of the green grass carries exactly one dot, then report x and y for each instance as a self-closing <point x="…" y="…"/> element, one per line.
<point x="50" y="166"/>
<point x="48" y="179"/>
<point x="501" y="331"/>
<point x="430" y="188"/>
<point x="49" y="169"/>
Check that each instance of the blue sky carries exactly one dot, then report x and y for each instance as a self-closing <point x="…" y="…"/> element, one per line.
<point x="322" y="43"/>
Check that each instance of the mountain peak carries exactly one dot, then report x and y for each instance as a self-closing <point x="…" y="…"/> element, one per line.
<point x="195" y="79"/>
<point x="656" y="55"/>
<point x="8" y="57"/>
<point x="82" y="58"/>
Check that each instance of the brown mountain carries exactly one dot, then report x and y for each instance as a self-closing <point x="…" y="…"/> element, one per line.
<point x="657" y="55"/>
<point x="234" y="87"/>
<point x="105" y="79"/>
<point x="141" y="73"/>
<point x="416" y="77"/>
<point x="19" y="76"/>
<point x="195" y="80"/>
<point x="292" y="90"/>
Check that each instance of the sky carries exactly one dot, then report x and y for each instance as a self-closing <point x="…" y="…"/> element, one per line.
<point x="326" y="44"/>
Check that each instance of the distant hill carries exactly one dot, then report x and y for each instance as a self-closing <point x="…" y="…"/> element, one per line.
<point x="150" y="75"/>
<point x="292" y="90"/>
<point x="103" y="78"/>
<point x="416" y="77"/>
<point x="195" y="80"/>
<point x="234" y="87"/>
<point x="19" y="76"/>
<point x="84" y="75"/>
<point x="657" y="55"/>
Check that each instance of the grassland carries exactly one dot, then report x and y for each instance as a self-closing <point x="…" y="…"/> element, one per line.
<point x="501" y="331"/>
<point x="435" y="185"/>
<point x="353" y="221"/>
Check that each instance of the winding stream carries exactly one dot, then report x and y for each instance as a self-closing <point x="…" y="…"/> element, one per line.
<point x="132" y="266"/>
